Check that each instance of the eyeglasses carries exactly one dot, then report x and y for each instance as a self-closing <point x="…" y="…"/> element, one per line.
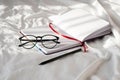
<point x="48" y="41"/>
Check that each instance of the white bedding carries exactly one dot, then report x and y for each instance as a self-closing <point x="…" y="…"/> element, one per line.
<point x="101" y="62"/>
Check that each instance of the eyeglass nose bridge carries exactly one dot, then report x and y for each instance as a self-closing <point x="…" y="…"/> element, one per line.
<point x="38" y="37"/>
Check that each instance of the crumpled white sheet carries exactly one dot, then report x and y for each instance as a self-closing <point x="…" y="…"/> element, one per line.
<point x="101" y="62"/>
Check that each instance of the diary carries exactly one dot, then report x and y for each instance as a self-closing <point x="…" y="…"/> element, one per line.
<point x="81" y="24"/>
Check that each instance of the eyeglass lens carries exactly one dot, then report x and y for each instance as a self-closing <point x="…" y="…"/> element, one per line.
<point x="27" y="41"/>
<point x="51" y="41"/>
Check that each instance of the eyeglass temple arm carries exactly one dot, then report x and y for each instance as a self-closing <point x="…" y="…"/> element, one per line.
<point x="28" y="40"/>
<point x="37" y="41"/>
<point x="55" y="40"/>
<point x="23" y="44"/>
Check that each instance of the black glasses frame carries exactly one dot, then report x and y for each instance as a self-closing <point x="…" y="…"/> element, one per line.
<point x="38" y="40"/>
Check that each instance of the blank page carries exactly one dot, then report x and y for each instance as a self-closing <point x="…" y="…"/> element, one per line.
<point x="79" y="23"/>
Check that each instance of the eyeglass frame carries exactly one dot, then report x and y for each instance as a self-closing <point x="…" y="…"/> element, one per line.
<point x="21" y="45"/>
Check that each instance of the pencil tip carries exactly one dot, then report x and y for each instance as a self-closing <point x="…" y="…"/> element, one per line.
<point x="42" y="63"/>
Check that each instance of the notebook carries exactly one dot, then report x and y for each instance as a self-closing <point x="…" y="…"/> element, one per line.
<point x="65" y="44"/>
<point x="81" y="24"/>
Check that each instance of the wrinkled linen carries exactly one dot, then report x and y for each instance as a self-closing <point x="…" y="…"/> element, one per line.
<point x="101" y="62"/>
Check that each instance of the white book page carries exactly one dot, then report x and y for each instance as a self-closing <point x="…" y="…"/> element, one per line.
<point x="101" y="32"/>
<point x="79" y="23"/>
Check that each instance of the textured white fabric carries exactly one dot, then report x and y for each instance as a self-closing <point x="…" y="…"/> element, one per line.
<point x="101" y="62"/>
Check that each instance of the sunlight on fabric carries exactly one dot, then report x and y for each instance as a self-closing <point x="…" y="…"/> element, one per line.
<point x="2" y="7"/>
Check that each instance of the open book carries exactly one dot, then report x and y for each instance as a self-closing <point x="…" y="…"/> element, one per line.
<point x="80" y="24"/>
